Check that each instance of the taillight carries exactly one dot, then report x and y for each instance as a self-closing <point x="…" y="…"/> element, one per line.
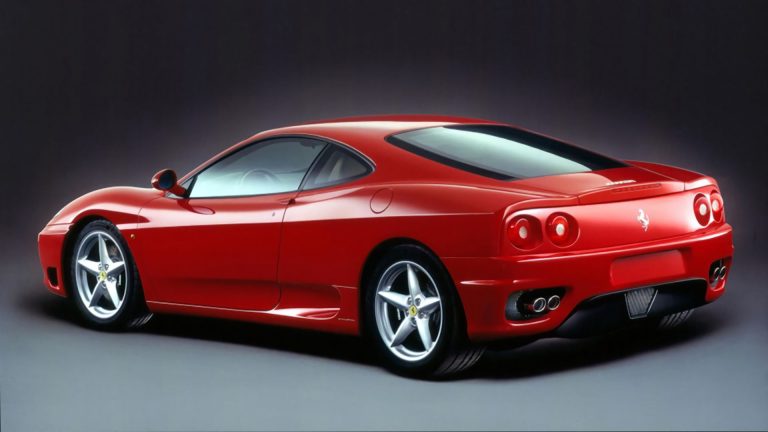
<point x="716" y="202"/>
<point x="562" y="229"/>
<point x="701" y="209"/>
<point x="524" y="232"/>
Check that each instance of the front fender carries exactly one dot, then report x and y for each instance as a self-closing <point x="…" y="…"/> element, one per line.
<point x="119" y="205"/>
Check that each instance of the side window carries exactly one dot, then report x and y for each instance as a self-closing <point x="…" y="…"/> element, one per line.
<point x="337" y="165"/>
<point x="266" y="167"/>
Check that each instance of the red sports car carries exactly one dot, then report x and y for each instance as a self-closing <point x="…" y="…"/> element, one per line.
<point x="432" y="236"/>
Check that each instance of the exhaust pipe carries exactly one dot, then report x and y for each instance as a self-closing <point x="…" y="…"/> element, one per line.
<point x="723" y="269"/>
<point x="715" y="274"/>
<point x="718" y="273"/>
<point x="553" y="302"/>
<point x="533" y="304"/>
<point x="537" y="306"/>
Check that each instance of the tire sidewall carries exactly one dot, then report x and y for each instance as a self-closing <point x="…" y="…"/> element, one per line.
<point x="452" y="332"/>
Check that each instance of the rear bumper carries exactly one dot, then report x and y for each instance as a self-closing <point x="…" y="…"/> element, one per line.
<point x="485" y="284"/>
<point x="607" y="312"/>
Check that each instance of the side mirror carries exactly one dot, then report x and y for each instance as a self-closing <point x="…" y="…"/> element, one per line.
<point x="166" y="180"/>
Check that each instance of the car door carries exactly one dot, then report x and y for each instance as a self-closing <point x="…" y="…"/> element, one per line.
<point x="218" y="246"/>
<point x="318" y="251"/>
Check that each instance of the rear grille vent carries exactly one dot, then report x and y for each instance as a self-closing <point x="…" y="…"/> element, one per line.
<point x="639" y="301"/>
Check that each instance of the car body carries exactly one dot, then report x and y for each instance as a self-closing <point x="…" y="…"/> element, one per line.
<point x="623" y="242"/>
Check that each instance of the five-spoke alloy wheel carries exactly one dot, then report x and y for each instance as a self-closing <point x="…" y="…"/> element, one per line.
<point x="100" y="274"/>
<point x="413" y="317"/>
<point x="404" y="307"/>
<point x="104" y="282"/>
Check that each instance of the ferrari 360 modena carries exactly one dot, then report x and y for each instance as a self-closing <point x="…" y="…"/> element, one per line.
<point x="433" y="237"/>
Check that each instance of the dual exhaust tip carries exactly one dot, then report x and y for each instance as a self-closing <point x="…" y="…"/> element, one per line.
<point x="718" y="273"/>
<point x="541" y="304"/>
<point x="524" y="305"/>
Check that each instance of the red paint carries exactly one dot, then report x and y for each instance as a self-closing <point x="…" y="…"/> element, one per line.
<point x="297" y="258"/>
<point x="225" y="256"/>
<point x="643" y="269"/>
<point x="172" y="185"/>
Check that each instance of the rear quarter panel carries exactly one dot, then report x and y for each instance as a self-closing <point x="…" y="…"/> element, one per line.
<point x="329" y="234"/>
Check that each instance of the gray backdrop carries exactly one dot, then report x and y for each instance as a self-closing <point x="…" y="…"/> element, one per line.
<point x="95" y="94"/>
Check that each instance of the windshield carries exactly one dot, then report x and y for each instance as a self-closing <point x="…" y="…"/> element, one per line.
<point x="500" y="152"/>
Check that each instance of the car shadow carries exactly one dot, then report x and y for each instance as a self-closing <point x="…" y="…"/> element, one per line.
<point x="543" y="357"/>
<point x="333" y="346"/>
<point x="550" y="356"/>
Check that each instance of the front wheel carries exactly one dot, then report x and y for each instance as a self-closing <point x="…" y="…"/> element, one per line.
<point x="413" y="316"/>
<point x="105" y="285"/>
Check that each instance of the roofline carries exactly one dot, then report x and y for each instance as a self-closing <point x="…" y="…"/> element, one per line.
<point x="400" y="118"/>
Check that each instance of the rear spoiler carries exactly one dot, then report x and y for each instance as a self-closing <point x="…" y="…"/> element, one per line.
<point x="690" y="179"/>
<point x="630" y="192"/>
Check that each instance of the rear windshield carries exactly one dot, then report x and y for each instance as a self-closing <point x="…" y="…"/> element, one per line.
<point x="500" y="152"/>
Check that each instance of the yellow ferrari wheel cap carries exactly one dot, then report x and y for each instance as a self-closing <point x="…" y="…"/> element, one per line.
<point x="412" y="311"/>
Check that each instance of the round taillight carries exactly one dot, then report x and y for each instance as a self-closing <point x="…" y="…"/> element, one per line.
<point x="561" y="229"/>
<point x="716" y="202"/>
<point x="701" y="209"/>
<point x="524" y="232"/>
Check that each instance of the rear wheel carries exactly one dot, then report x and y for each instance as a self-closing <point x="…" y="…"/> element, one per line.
<point x="413" y="317"/>
<point x="105" y="284"/>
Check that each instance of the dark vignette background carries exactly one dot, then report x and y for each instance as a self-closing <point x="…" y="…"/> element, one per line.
<point x="95" y="94"/>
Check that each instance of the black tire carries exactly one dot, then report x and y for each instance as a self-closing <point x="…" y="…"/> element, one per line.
<point x="133" y="311"/>
<point x="452" y="352"/>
